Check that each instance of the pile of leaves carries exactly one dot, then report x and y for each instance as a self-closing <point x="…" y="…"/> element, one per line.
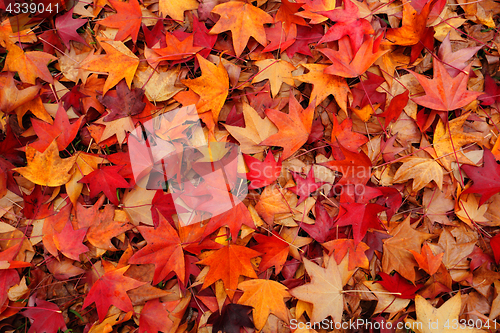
<point x="369" y="134"/>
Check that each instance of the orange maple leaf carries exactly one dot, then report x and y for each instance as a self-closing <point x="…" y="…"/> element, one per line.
<point x="227" y="264"/>
<point x="244" y="20"/>
<point x="348" y="64"/>
<point x="177" y="50"/>
<point x="212" y="86"/>
<point x="445" y="93"/>
<point x="11" y="97"/>
<point x="427" y="260"/>
<point x="164" y="250"/>
<point x="356" y="251"/>
<point x="325" y="84"/>
<point x="266" y="297"/>
<point x="293" y="128"/>
<point x="118" y="64"/>
<point x="127" y="19"/>
<point x="413" y="26"/>
<point x="29" y="65"/>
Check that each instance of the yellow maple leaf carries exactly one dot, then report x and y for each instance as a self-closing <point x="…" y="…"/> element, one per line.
<point x="47" y="168"/>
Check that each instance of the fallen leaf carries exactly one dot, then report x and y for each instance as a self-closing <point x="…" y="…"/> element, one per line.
<point x="119" y="63"/>
<point x="212" y="87"/>
<point x="244" y="20"/>
<point x="255" y="131"/>
<point x="325" y="84"/>
<point x="111" y="289"/>
<point x="46" y="317"/>
<point x="325" y="291"/>
<point x="430" y="319"/>
<point x="29" y="65"/>
<point x="421" y="170"/>
<point x="293" y="128"/>
<point x="231" y="318"/>
<point x="266" y="297"/>
<point x="47" y="168"/>
<point x="163" y="249"/>
<point x="486" y="178"/>
<point x="227" y="264"/>
<point x="352" y="63"/>
<point x="397" y="249"/>
<point x="277" y="71"/>
<point x="127" y="19"/>
<point x="443" y="92"/>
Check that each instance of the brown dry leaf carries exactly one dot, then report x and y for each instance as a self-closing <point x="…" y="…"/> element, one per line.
<point x="455" y="253"/>
<point x="432" y="320"/>
<point x="437" y="205"/>
<point x="386" y="302"/>
<point x="47" y="168"/>
<point x="421" y="170"/>
<point x="397" y="255"/>
<point x="277" y="72"/>
<point x="325" y="291"/>
<point x="70" y="63"/>
<point x="478" y="12"/>
<point x="448" y="149"/>
<point x="255" y="131"/>
<point x="119" y="127"/>
<point x="468" y="210"/>
<point x="159" y="84"/>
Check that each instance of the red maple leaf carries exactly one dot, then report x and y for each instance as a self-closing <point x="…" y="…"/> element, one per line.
<point x="45" y="317"/>
<point x="495" y="247"/>
<point x="275" y="251"/>
<point x="163" y="249"/>
<point x="163" y="203"/>
<point x="73" y="98"/>
<point x="393" y="111"/>
<point x="360" y="217"/>
<point x="306" y="186"/>
<point x="443" y="92"/>
<point x="355" y="167"/>
<point x="61" y="130"/>
<point x="398" y="285"/>
<point x="347" y="23"/>
<point x="66" y="26"/>
<point x="323" y="228"/>
<point x="106" y="179"/>
<point x="69" y="241"/>
<point x="111" y="289"/>
<point x="486" y="178"/>
<point x="155" y="316"/>
<point x="262" y="173"/>
<point x="233" y="219"/>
